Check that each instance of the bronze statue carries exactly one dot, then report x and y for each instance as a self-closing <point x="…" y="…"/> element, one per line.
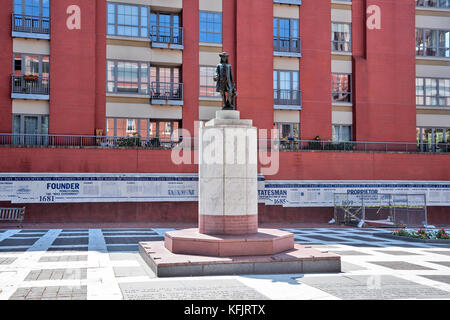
<point x="225" y="84"/>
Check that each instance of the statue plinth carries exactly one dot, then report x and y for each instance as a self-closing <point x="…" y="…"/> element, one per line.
<point x="228" y="240"/>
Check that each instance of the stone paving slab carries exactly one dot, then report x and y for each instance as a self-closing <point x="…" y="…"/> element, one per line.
<point x="445" y="278"/>
<point x="26" y="235"/>
<point x="358" y="287"/>
<point x="131" y="248"/>
<point x="131" y="239"/>
<point x="349" y="253"/>
<point x="121" y="272"/>
<point x="67" y="249"/>
<point x="50" y="293"/>
<point x="398" y="252"/>
<point x="400" y="265"/>
<point x="57" y="274"/>
<point x="63" y="258"/>
<point x="442" y="263"/>
<point x="6" y="260"/>
<point x="190" y="290"/>
<point x="70" y="241"/>
<point x="17" y="242"/>
<point x="446" y="253"/>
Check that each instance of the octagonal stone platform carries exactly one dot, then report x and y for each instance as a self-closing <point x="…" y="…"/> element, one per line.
<point x="299" y="259"/>
<point x="264" y="242"/>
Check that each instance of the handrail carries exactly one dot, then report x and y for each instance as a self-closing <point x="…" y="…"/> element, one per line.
<point x="284" y="145"/>
<point x="30" y="24"/>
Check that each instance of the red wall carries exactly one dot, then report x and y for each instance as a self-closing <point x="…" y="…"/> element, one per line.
<point x="384" y="73"/>
<point x="293" y="165"/>
<point x="190" y="69"/>
<point x="73" y="69"/>
<point x="6" y="58"/>
<point x="315" y="70"/>
<point x="100" y="65"/>
<point x="254" y="61"/>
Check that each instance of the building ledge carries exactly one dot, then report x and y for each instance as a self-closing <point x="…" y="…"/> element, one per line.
<point x="128" y="95"/>
<point x="167" y="102"/>
<point x="286" y="107"/>
<point x="210" y="44"/>
<point x="27" y="96"/>
<point x="162" y="45"/>
<point x="287" y="54"/>
<point x="42" y="36"/>
<point x="292" y="2"/>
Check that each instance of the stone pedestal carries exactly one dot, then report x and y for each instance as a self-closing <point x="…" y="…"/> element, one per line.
<point x="228" y="240"/>
<point x="228" y="185"/>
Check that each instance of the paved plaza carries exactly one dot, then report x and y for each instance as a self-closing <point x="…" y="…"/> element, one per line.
<point x="80" y="264"/>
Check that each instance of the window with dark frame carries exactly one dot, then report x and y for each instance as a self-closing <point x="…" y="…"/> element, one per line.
<point x="342" y="133"/>
<point x="127" y="77"/>
<point x="166" y="82"/>
<point x="432" y="42"/>
<point x="286" y="35"/>
<point x="207" y="83"/>
<point x="341" y="88"/>
<point x="433" y="92"/>
<point x="341" y="39"/>
<point x="127" y="20"/>
<point x="165" y="27"/>
<point x="286" y="87"/>
<point x="444" y="4"/>
<point x="210" y="26"/>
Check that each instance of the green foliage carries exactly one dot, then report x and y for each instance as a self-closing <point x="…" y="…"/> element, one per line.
<point x="422" y="234"/>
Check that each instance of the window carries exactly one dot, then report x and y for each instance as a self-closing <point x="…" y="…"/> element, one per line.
<point x="207" y="83"/>
<point x="30" y="74"/>
<point x="165" y="82"/>
<point x="433" y="43"/>
<point x="342" y="132"/>
<point x="433" y="139"/>
<point x="286" y="87"/>
<point x="341" y="37"/>
<point x="165" y="28"/>
<point x="30" y="129"/>
<point x="210" y="27"/>
<point x="35" y="8"/>
<point x="341" y="88"/>
<point x="432" y="92"/>
<point x="127" y="77"/>
<point x="286" y="35"/>
<point x="288" y="131"/>
<point x="120" y="127"/>
<point x="127" y="20"/>
<point x="433" y="3"/>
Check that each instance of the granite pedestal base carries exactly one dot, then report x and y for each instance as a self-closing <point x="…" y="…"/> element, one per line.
<point x="266" y="252"/>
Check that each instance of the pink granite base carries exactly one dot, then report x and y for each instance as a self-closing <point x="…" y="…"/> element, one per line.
<point x="299" y="259"/>
<point x="264" y="242"/>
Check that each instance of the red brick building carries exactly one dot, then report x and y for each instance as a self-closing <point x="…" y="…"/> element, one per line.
<point x="311" y="68"/>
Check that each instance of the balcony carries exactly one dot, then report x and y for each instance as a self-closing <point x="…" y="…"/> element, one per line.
<point x="30" y="87"/>
<point x="287" y="47"/>
<point x="286" y="99"/>
<point x="167" y="93"/>
<point x="294" y="2"/>
<point x="167" y="37"/>
<point x="24" y="26"/>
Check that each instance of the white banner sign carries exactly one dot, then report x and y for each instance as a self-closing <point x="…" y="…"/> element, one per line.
<point x="84" y="187"/>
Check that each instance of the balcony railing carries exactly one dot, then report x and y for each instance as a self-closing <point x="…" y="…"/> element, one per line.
<point x="81" y="141"/>
<point x="30" y="24"/>
<point x="169" y="35"/>
<point x="287" y="45"/>
<point x="284" y="145"/>
<point x="295" y="2"/>
<point x="29" y="84"/>
<point x="287" y="97"/>
<point x="351" y="146"/>
<point x="167" y="91"/>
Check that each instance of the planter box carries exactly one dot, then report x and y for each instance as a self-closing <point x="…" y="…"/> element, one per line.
<point x="404" y="238"/>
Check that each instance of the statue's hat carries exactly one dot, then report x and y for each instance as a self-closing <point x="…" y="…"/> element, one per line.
<point x="224" y="54"/>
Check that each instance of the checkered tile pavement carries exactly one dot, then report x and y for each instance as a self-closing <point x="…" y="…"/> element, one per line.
<point x="79" y="264"/>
